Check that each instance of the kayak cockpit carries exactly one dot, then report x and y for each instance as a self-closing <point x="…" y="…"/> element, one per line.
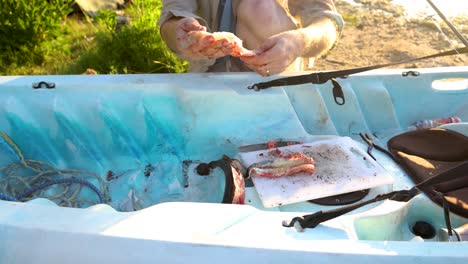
<point x="140" y="140"/>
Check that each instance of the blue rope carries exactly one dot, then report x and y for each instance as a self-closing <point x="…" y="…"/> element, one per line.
<point x="5" y="143"/>
<point x="54" y="182"/>
<point x="6" y="197"/>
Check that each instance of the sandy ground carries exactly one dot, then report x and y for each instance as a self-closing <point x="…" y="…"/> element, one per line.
<point x="379" y="32"/>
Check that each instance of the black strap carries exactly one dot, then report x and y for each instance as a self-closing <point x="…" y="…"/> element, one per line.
<point x="227" y="164"/>
<point x="312" y="220"/>
<point x="445" y="176"/>
<point x="323" y="77"/>
<point x="229" y="185"/>
<point x="445" y="206"/>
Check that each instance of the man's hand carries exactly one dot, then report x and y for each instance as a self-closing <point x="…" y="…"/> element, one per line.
<point x="276" y="53"/>
<point x="195" y="43"/>
<point x="185" y="44"/>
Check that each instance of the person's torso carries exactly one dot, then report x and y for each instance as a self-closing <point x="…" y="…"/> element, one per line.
<point x="256" y="21"/>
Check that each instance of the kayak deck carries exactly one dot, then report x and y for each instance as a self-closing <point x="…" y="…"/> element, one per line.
<point x="123" y="123"/>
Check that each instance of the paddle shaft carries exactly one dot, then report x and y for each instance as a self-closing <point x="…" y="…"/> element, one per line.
<point x="449" y="23"/>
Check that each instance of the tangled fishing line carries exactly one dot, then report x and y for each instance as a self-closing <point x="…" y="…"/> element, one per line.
<point x="24" y="179"/>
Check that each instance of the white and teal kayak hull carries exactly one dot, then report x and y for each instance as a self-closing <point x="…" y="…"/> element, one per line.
<point x="121" y="123"/>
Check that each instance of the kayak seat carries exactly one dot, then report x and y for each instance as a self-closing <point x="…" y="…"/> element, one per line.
<point x="429" y="152"/>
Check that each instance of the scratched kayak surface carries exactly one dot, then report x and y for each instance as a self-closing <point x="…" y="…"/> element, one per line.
<point x="142" y="135"/>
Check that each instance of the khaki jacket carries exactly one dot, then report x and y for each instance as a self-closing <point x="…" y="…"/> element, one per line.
<point x="301" y="12"/>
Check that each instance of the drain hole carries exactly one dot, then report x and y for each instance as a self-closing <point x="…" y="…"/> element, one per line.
<point x="424" y="230"/>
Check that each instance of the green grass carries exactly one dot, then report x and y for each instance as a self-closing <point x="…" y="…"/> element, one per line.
<point x="25" y="27"/>
<point x="75" y="36"/>
<point x="100" y="44"/>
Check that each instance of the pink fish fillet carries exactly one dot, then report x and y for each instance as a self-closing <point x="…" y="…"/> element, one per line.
<point x="217" y="41"/>
<point x="284" y="165"/>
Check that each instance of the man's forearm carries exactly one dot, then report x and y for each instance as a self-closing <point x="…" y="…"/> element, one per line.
<point x="318" y="38"/>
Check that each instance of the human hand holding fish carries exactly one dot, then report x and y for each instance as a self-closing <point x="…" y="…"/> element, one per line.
<point x="196" y="43"/>
<point x="275" y="54"/>
<point x="215" y="45"/>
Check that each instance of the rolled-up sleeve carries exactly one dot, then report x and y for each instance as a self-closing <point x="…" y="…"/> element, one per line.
<point x="179" y="8"/>
<point x="307" y="11"/>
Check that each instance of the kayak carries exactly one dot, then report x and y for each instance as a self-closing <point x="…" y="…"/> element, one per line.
<point x="135" y="146"/>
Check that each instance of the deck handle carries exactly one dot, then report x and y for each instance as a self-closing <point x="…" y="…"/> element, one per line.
<point x="43" y="84"/>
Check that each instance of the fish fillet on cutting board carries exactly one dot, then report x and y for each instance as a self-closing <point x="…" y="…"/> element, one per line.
<point x="341" y="166"/>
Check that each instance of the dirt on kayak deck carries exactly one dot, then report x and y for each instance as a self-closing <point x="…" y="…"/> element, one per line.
<point x="378" y="31"/>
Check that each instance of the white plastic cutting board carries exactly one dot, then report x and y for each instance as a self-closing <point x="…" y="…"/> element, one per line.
<point x="341" y="166"/>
